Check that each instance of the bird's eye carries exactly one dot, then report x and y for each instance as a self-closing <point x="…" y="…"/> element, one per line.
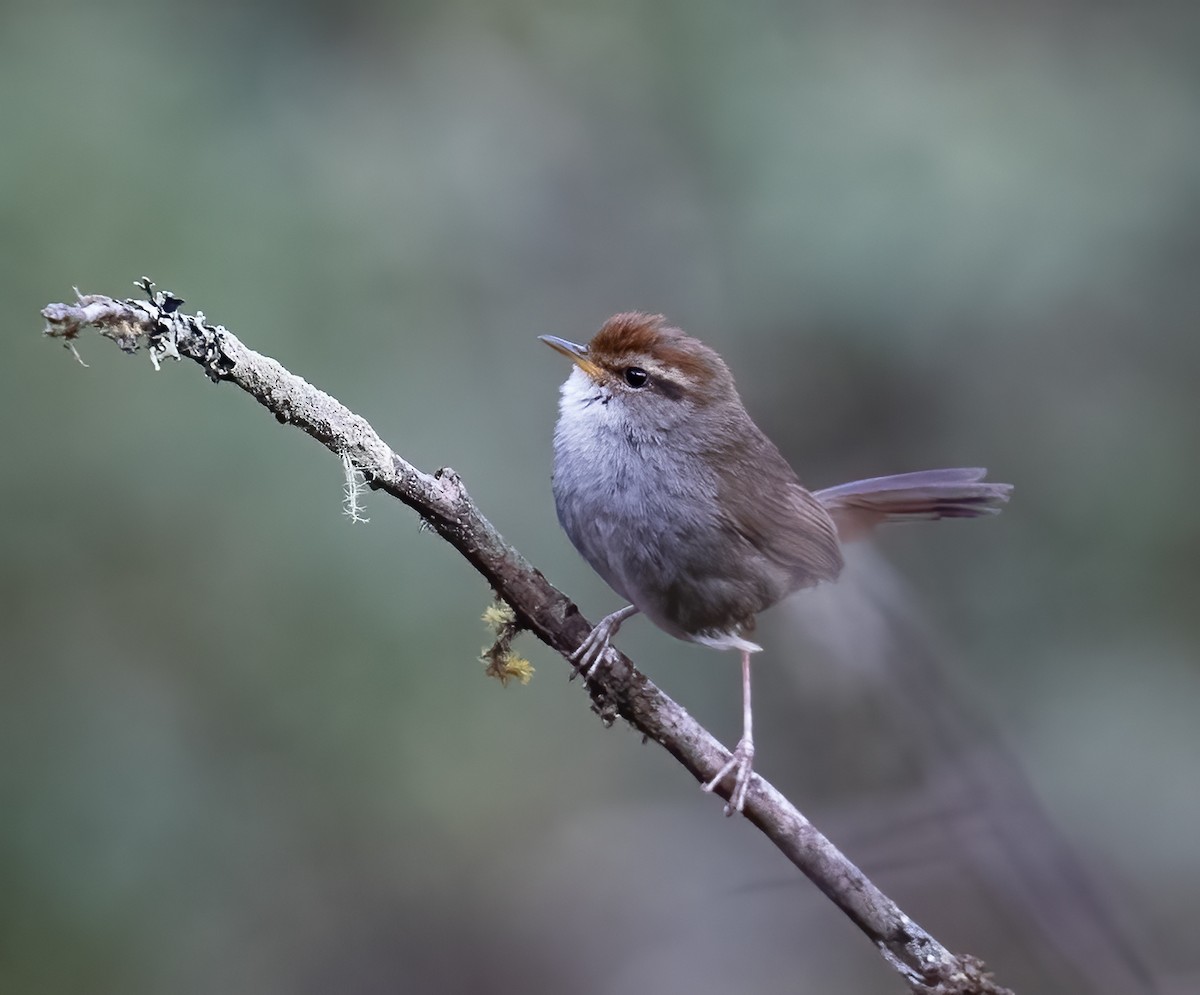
<point x="635" y="376"/>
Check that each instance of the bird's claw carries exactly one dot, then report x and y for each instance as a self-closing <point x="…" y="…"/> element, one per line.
<point x="592" y="653"/>
<point x="741" y="765"/>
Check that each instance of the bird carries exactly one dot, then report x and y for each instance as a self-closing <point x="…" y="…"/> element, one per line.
<point x="677" y="499"/>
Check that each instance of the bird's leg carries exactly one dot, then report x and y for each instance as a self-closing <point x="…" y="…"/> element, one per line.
<point x="741" y="763"/>
<point x="594" y="648"/>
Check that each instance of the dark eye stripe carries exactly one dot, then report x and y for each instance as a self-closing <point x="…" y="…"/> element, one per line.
<point x="669" y="388"/>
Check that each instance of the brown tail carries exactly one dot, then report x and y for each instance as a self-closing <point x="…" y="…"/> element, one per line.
<point x="962" y="492"/>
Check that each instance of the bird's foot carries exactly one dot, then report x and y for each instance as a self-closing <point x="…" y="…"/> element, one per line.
<point x="594" y="652"/>
<point x="741" y="765"/>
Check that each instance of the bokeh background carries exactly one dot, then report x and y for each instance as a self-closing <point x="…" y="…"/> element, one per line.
<point x="247" y="746"/>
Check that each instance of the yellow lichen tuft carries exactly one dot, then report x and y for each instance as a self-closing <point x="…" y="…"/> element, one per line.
<point x="507" y="666"/>
<point x="502" y="663"/>
<point x="498" y="615"/>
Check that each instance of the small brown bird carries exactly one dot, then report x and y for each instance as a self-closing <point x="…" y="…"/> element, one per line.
<point x="676" y="498"/>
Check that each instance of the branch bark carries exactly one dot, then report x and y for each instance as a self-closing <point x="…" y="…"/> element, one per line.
<point x="441" y="499"/>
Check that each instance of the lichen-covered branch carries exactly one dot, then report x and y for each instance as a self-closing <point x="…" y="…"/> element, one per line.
<point x="442" y="501"/>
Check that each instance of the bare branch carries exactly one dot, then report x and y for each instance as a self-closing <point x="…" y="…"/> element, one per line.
<point x="442" y="501"/>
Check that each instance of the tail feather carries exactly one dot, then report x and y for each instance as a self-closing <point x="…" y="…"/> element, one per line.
<point x="960" y="492"/>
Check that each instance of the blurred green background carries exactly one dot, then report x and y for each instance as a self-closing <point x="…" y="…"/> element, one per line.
<point x="247" y="746"/>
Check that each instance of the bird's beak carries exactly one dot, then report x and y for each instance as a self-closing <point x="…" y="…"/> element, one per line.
<point x="577" y="354"/>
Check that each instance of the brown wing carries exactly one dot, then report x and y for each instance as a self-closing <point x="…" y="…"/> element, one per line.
<point x="765" y="502"/>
